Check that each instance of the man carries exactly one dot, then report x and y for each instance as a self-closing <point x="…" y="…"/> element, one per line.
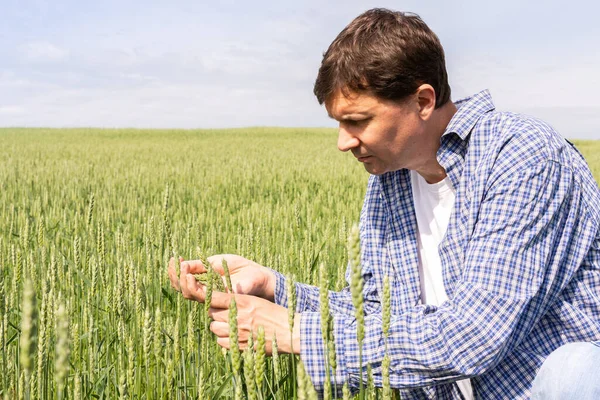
<point x="486" y="222"/>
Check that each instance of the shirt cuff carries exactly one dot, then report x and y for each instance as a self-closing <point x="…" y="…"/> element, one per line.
<point x="280" y="294"/>
<point x="312" y="350"/>
<point x="307" y="296"/>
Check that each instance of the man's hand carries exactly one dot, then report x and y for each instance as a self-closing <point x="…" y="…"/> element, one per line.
<point x="252" y="313"/>
<point x="247" y="277"/>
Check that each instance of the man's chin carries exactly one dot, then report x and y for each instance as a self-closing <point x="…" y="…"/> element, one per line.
<point x="373" y="169"/>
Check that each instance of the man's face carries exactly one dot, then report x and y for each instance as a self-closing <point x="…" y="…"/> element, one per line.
<point x="382" y="134"/>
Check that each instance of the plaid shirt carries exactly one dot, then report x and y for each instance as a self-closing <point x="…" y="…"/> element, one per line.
<point x="520" y="261"/>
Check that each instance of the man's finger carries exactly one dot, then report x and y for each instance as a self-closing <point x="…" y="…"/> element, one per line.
<point x="173" y="274"/>
<point x="183" y="282"/>
<point x="196" y="267"/>
<point x="221" y="329"/>
<point x="219" y="314"/>
<point x="190" y="288"/>
<point x="216" y="262"/>
<point x="224" y="342"/>
<point x="195" y="291"/>
<point x="220" y="300"/>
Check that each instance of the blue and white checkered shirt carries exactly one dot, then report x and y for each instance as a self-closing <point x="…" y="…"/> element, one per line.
<point x="520" y="260"/>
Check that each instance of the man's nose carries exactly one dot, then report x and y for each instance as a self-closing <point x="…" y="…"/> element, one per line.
<point x="346" y="140"/>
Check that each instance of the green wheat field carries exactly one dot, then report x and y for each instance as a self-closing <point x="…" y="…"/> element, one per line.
<point x="89" y="219"/>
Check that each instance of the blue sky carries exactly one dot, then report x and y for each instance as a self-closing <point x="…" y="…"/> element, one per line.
<point x="199" y="64"/>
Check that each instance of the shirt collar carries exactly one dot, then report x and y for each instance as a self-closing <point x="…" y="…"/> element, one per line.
<point x="470" y="110"/>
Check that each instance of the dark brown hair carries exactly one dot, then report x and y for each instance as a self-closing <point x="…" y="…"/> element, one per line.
<point x="385" y="53"/>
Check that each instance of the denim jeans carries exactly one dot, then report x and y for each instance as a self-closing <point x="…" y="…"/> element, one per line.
<point x="570" y="372"/>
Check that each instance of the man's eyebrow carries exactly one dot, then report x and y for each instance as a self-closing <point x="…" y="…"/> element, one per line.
<point x="347" y="116"/>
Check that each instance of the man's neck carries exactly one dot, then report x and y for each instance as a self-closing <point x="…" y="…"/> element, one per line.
<point x="446" y="112"/>
<point x="434" y="172"/>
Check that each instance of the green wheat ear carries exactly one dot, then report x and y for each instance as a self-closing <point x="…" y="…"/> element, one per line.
<point x="211" y="280"/>
<point x="227" y="275"/>
<point x="260" y="362"/>
<point x="386" y="316"/>
<point x="236" y="359"/>
<point x="306" y="390"/>
<point x="325" y="322"/>
<point x="356" y="288"/>
<point x="346" y="391"/>
<point x="291" y="300"/>
<point x="387" y="307"/>
<point x="29" y="323"/>
<point x="275" y="357"/>
<point x="356" y="280"/>
<point x="201" y="388"/>
<point x="385" y="372"/>
<point x="61" y="367"/>
<point x="249" y="371"/>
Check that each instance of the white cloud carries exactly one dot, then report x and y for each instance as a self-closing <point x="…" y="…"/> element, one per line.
<point x="138" y="77"/>
<point x="8" y="79"/>
<point x="528" y="82"/>
<point x="255" y="64"/>
<point x="571" y="122"/>
<point x="43" y="51"/>
<point x="12" y="110"/>
<point x="169" y="105"/>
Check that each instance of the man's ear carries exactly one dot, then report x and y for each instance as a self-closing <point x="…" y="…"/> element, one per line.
<point x="426" y="100"/>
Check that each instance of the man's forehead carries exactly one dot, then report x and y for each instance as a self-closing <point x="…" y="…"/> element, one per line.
<point x="340" y="106"/>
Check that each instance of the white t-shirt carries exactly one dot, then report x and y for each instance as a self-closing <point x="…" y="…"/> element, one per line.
<point x="433" y="206"/>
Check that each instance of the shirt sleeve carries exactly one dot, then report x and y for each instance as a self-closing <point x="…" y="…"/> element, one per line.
<point x="307" y="296"/>
<point x="531" y="234"/>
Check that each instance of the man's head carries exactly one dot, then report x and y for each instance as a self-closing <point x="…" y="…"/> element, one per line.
<point x="384" y="78"/>
<point x="387" y="54"/>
